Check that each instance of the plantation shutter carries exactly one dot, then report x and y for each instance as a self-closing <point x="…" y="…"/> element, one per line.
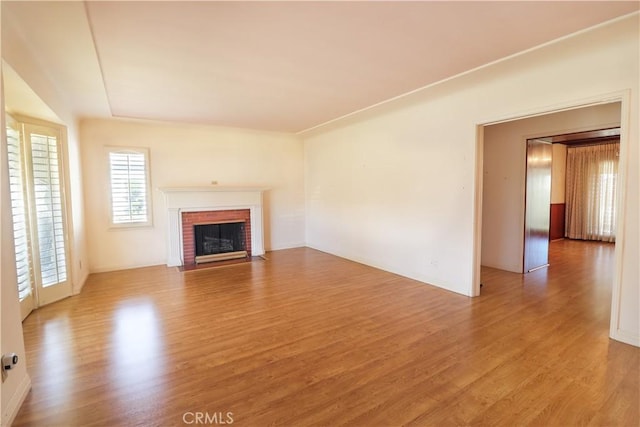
<point x="128" y="187"/>
<point x="48" y="203"/>
<point x="24" y="265"/>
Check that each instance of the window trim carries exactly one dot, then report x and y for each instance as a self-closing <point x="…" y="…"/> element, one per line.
<point x="129" y="150"/>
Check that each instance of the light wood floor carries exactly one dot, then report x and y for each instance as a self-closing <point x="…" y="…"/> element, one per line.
<point x="306" y="338"/>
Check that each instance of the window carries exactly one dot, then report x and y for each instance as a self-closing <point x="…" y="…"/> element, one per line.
<point x="606" y="203"/>
<point x="129" y="180"/>
<point x="48" y="208"/>
<point x="19" y="212"/>
<point x="592" y="172"/>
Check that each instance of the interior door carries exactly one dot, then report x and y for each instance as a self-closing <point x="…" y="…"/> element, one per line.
<point x="537" y="204"/>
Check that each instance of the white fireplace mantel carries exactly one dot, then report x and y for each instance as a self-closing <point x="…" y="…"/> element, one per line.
<point x="214" y="198"/>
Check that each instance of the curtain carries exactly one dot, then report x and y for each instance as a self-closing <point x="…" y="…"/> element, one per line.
<point x="592" y="172"/>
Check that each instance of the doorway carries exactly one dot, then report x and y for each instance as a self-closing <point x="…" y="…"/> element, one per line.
<point x="570" y="191"/>
<point x="504" y="176"/>
<point x="501" y="181"/>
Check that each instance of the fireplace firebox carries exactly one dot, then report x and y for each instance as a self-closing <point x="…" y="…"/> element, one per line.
<point x="219" y="241"/>
<point x="206" y="217"/>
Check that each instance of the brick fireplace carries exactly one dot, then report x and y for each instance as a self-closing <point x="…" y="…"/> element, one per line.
<point x="187" y="206"/>
<point x="191" y="219"/>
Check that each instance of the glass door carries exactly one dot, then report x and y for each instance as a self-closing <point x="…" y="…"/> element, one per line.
<point x="38" y="208"/>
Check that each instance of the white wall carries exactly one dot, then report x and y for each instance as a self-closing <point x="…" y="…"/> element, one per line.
<point x="504" y="174"/>
<point x="394" y="186"/>
<point x="14" y="385"/>
<point x="188" y="155"/>
<point x="505" y="155"/>
<point x="559" y="172"/>
<point x="21" y="59"/>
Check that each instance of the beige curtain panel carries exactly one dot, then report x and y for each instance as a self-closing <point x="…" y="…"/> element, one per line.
<point x="592" y="172"/>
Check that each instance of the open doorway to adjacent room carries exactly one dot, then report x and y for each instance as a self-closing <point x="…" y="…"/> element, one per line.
<point x="581" y="208"/>
<point x="505" y="187"/>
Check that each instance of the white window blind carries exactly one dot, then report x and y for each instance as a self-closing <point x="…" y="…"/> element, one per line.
<point x="24" y="265"/>
<point x="48" y="209"/>
<point x="129" y="187"/>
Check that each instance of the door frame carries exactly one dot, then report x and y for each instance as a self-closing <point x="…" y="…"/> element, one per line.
<point x="624" y="98"/>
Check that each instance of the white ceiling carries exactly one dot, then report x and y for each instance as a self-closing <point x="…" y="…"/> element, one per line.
<point x="284" y="66"/>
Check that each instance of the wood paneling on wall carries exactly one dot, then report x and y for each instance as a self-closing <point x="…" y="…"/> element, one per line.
<point x="556" y="225"/>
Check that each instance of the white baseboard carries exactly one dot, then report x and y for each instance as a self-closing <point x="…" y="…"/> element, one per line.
<point x="109" y="269"/>
<point x="290" y="245"/>
<point x="78" y="289"/>
<point x="626" y="337"/>
<point x="10" y="412"/>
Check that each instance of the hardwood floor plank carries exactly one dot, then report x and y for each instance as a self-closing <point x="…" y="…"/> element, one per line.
<point x="305" y="338"/>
